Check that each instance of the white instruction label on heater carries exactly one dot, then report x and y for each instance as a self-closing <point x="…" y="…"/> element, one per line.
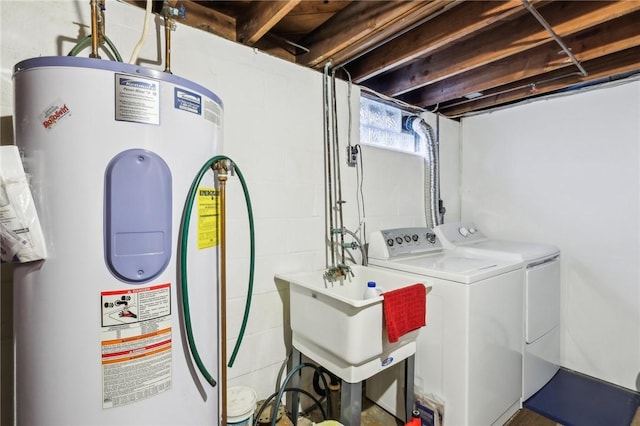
<point x="136" y="344"/>
<point x="212" y="112"/>
<point x="135" y="305"/>
<point x="137" y="99"/>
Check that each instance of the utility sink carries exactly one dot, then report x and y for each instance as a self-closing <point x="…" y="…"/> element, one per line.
<point x="332" y="324"/>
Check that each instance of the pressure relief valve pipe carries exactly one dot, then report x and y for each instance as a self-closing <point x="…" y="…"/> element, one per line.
<point x="220" y="164"/>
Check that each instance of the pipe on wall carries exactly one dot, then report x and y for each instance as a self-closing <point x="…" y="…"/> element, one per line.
<point x="94" y="29"/>
<point x="555" y="36"/>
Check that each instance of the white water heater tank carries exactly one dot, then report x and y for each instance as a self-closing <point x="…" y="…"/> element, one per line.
<point x="111" y="150"/>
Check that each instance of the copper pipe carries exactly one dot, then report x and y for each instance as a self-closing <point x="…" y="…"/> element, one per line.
<point x="221" y="167"/>
<point x="168" y="23"/>
<point x="168" y="11"/>
<point x="94" y="29"/>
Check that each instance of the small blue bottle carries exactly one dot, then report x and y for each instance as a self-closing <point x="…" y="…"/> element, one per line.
<point x="371" y="291"/>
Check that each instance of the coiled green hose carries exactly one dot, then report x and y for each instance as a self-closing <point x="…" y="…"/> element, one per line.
<point x="85" y="42"/>
<point x="184" y="238"/>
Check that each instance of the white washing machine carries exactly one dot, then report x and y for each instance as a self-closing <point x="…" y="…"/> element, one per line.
<point x="469" y="355"/>
<point x="541" y="265"/>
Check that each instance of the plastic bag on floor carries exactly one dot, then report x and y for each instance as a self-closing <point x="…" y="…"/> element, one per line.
<point x="21" y="238"/>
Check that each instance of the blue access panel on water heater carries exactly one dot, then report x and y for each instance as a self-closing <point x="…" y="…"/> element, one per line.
<point x="137" y="215"/>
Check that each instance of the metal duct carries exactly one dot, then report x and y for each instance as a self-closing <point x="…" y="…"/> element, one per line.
<point x="433" y="216"/>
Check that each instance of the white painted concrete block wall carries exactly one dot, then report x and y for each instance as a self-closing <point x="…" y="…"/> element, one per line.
<point x="565" y="171"/>
<point x="273" y="129"/>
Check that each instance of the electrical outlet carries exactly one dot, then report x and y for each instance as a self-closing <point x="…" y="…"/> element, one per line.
<point x="352" y="156"/>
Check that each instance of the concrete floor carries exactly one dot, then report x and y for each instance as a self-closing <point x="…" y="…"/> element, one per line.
<point x="372" y="415"/>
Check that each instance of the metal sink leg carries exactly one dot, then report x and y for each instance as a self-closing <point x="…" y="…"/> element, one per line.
<point x="350" y="403"/>
<point x="293" y="398"/>
<point x="409" y="369"/>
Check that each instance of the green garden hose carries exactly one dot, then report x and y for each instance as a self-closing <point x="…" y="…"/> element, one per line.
<point x="85" y="42"/>
<point x="183" y="264"/>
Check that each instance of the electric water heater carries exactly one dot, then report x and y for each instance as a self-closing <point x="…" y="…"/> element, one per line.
<point x="111" y="150"/>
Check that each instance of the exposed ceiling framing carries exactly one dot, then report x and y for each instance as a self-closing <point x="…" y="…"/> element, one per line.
<point x="452" y="56"/>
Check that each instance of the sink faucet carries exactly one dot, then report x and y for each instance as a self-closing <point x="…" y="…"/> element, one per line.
<point x="334" y="273"/>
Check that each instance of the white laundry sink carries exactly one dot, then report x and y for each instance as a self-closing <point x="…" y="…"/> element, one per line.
<point x="332" y="324"/>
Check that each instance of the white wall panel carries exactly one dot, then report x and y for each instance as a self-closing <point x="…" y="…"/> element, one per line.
<point x="565" y="171"/>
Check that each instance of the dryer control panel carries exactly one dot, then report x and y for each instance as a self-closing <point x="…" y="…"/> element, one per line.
<point x="458" y="233"/>
<point x="392" y="243"/>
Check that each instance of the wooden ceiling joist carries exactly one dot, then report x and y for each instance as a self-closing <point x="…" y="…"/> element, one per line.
<point x="617" y="35"/>
<point x="441" y="31"/>
<point x="614" y="65"/>
<point x="358" y="23"/>
<point x="207" y="19"/>
<point x="261" y="17"/>
<point x="437" y="52"/>
<point x="520" y="35"/>
<point x="425" y="9"/>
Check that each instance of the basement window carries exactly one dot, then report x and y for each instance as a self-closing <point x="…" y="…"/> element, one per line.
<point x="381" y="126"/>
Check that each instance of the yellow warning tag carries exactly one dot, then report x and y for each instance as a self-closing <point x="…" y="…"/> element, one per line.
<point x="207" y="217"/>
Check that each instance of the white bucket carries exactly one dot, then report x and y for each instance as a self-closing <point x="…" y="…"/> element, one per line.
<point x="241" y="404"/>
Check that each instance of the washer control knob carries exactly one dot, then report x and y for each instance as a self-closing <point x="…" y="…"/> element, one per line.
<point x="431" y="238"/>
<point x="414" y="237"/>
<point x="390" y="242"/>
<point x="399" y="240"/>
<point x="463" y="231"/>
<point x="472" y="230"/>
<point x="407" y="238"/>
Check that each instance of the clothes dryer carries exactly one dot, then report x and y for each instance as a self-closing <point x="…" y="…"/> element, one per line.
<point x="541" y="265"/>
<point x="469" y="355"/>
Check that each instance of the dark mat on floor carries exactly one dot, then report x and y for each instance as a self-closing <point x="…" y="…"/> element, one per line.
<point x="574" y="399"/>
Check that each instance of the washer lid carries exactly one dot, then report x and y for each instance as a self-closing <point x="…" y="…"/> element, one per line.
<point x="466" y="235"/>
<point x="523" y="252"/>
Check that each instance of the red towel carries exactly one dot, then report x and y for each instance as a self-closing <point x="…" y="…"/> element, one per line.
<point x="404" y="310"/>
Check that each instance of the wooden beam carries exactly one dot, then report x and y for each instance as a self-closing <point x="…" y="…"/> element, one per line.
<point x="207" y="19"/>
<point x="462" y="21"/>
<point x="277" y="47"/>
<point x="618" y="63"/>
<point x="307" y="16"/>
<point x="611" y="37"/>
<point x="260" y="18"/>
<point x="382" y="34"/>
<point x="201" y="17"/>
<point x="348" y="28"/>
<point x="515" y="36"/>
